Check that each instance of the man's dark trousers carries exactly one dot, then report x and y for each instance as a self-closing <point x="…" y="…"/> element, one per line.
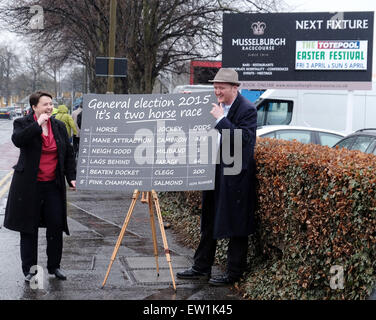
<point x="52" y="215"/>
<point x="205" y="253"/>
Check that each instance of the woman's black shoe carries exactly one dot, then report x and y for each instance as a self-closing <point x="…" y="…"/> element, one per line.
<point x="58" y="274"/>
<point x="29" y="276"/>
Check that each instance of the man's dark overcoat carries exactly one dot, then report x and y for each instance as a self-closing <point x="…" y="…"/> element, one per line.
<point x="229" y="209"/>
<point x="22" y="212"/>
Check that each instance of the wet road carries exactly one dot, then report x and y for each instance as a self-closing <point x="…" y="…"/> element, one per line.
<point x="95" y="220"/>
<point x="8" y="157"/>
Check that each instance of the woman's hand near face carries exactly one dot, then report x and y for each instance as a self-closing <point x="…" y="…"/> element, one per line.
<point x="43" y="118"/>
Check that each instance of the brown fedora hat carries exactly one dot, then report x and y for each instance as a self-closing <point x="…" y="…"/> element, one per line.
<point x="226" y="75"/>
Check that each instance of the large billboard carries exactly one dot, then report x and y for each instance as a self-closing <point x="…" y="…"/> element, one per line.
<point x="319" y="50"/>
<point x="147" y="142"/>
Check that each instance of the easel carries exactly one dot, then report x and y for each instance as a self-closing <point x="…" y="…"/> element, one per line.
<point x="151" y="196"/>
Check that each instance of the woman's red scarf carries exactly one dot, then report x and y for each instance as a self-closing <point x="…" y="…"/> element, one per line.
<point x="48" y="158"/>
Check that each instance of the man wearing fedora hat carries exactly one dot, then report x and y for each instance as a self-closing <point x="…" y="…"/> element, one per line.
<point x="228" y="210"/>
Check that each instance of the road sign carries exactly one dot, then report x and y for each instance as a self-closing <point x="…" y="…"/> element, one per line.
<point x="120" y="67"/>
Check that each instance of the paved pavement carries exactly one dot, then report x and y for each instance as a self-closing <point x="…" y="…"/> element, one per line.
<point x="95" y="221"/>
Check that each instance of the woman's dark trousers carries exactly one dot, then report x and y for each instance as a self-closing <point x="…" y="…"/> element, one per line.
<point x="51" y="214"/>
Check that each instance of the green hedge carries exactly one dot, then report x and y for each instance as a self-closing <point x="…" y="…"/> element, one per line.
<point x="317" y="209"/>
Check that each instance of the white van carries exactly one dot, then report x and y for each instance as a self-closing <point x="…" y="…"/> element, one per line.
<point x="251" y="95"/>
<point x="188" y="88"/>
<point x="325" y="109"/>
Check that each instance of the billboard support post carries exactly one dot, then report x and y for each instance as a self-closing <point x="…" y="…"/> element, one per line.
<point x="349" y="111"/>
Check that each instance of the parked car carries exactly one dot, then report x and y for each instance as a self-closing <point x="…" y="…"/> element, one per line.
<point x="18" y="111"/>
<point x="363" y="140"/>
<point x="7" y="113"/>
<point x="301" y="134"/>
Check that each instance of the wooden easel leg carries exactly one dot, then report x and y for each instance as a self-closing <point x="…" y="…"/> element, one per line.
<point x="152" y="223"/>
<point x="121" y="235"/>
<point x="165" y="245"/>
<point x="144" y="198"/>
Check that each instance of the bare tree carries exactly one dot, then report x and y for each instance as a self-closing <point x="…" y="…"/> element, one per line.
<point x="74" y="81"/>
<point x="154" y="35"/>
<point x="8" y="67"/>
<point x="37" y="73"/>
<point x="34" y="65"/>
<point x="53" y="61"/>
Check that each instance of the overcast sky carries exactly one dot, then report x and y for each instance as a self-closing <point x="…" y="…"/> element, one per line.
<point x="331" y="5"/>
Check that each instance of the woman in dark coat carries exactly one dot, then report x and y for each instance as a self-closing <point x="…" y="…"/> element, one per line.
<point x="228" y="211"/>
<point x="37" y="195"/>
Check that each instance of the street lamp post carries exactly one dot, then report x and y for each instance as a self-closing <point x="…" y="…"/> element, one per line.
<point x="111" y="60"/>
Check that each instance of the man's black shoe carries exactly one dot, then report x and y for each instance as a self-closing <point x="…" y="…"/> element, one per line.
<point x="193" y="275"/>
<point x="224" y="280"/>
<point x="29" y="276"/>
<point x="58" y="274"/>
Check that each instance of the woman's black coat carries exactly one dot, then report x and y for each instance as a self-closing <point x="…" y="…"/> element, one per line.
<point x="22" y="212"/>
